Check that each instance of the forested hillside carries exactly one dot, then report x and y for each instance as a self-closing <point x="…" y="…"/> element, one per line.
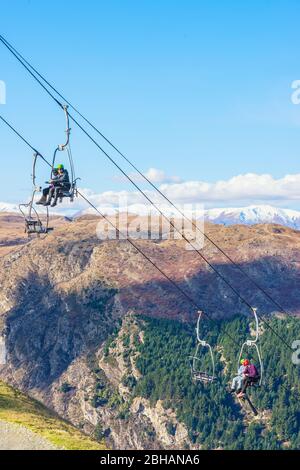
<point x="214" y="418"/>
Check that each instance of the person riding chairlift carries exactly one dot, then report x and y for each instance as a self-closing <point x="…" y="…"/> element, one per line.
<point x="60" y="181"/>
<point x="237" y="382"/>
<point x="251" y="376"/>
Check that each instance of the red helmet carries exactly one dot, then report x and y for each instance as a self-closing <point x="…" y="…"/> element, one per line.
<point x="246" y="362"/>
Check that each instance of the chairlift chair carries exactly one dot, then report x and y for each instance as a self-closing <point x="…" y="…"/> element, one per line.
<point x="198" y="374"/>
<point x="69" y="190"/>
<point x="252" y="343"/>
<point x="34" y="223"/>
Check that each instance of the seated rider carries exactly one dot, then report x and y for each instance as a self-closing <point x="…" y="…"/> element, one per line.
<point x="237" y="381"/>
<point x="251" y="376"/>
<point x="59" y="182"/>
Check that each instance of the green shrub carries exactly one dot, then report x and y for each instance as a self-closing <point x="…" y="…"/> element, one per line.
<point x="65" y="387"/>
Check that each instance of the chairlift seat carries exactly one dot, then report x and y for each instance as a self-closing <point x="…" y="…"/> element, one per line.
<point x="67" y="192"/>
<point x="254" y="381"/>
<point x="34" y="226"/>
<point x="203" y="377"/>
<point x="197" y="373"/>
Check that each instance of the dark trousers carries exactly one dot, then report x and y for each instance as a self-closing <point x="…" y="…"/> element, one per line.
<point x="248" y="381"/>
<point x="53" y="191"/>
<point x="48" y="191"/>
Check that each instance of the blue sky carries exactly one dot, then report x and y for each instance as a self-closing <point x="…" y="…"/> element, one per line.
<point x="198" y="89"/>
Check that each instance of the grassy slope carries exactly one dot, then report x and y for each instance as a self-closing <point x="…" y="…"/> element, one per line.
<point x="19" y="409"/>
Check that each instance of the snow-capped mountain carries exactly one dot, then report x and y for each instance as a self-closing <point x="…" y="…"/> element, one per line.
<point x="6" y="207"/>
<point x="226" y="216"/>
<point x="14" y="208"/>
<point x="254" y="215"/>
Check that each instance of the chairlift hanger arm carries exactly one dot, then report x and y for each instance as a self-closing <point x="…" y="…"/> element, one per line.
<point x="32" y="219"/>
<point x="62" y="147"/>
<point x="252" y="343"/>
<point x="197" y="374"/>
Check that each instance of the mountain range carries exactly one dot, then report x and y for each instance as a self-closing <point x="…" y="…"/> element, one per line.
<point x="249" y="215"/>
<point x="254" y="215"/>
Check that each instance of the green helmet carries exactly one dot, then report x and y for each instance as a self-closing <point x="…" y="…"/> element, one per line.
<point x="60" y="167"/>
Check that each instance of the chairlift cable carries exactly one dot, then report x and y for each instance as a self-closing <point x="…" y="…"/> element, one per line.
<point x="183" y="292"/>
<point x="23" y="61"/>
<point x="17" y="55"/>
<point x="243" y="300"/>
<point x="139" y="249"/>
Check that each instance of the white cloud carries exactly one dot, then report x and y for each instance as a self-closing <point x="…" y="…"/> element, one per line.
<point x="155" y="175"/>
<point x="159" y="176"/>
<point x="244" y="189"/>
<point x="239" y="189"/>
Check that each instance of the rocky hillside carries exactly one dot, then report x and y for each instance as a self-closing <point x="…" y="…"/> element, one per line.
<point x="12" y="234"/>
<point x="63" y="296"/>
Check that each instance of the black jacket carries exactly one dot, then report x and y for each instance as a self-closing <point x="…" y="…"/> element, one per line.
<point x="62" y="178"/>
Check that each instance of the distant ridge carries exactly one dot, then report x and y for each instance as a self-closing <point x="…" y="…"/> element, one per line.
<point x="6" y="207"/>
<point x="250" y="215"/>
<point x="254" y="215"/>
